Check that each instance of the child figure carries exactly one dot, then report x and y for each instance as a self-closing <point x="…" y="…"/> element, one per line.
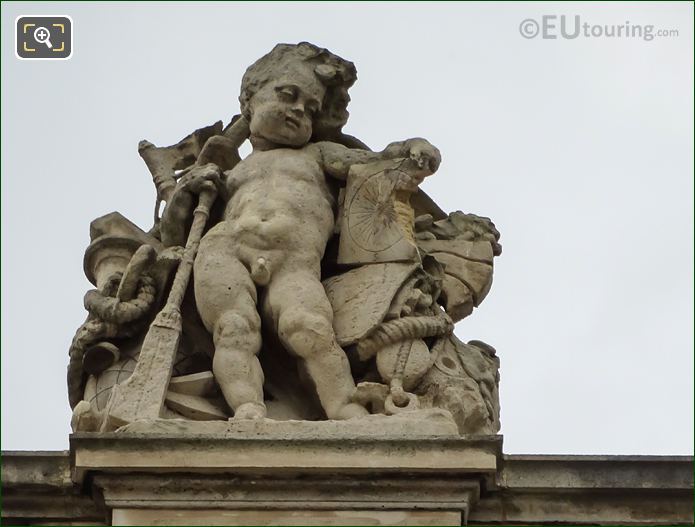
<point x="278" y="219"/>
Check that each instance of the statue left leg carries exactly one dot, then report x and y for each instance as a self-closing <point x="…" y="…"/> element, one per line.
<point x="303" y="318"/>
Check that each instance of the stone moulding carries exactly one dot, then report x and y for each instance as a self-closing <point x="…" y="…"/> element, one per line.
<point x="530" y="489"/>
<point x="585" y="489"/>
<point x="120" y="453"/>
<point x="438" y="479"/>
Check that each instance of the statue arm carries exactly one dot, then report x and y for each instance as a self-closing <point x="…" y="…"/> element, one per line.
<point x="219" y="153"/>
<point x="175" y="219"/>
<point x="178" y="213"/>
<point x="337" y="159"/>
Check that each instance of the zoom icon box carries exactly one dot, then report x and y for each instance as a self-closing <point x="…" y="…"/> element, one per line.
<point x="43" y="37"/>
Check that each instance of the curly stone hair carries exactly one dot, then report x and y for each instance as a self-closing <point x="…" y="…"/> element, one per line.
<point x="335" y="73"/>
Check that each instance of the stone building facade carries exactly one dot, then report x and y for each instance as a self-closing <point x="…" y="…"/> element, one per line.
<point x="160" y="480"/>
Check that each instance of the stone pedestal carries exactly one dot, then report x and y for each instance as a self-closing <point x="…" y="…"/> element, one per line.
<point x="538" y="490"/>
<point x="286" y="473"/>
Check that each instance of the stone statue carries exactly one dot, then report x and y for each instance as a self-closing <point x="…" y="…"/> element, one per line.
<point x="311" y="280"/>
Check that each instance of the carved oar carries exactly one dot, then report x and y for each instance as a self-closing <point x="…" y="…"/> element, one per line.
<point x="142" y="395"/>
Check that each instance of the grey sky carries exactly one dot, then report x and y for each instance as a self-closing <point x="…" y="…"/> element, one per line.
<point x="581" y="151"/>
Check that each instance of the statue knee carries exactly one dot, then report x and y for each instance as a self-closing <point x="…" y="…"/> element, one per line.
<point x="304" y="332"/>
<point x="234" y="325"/>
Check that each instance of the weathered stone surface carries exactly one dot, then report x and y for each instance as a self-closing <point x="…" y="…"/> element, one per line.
<point x="464" y="379"/>
<point x="578" y="490"/>
<point x="258" y="242"/>
<point x="459" y="226"/>
<point x="265" y="453"/>
<point x="285" y="517"/>
<point x="419" y="360"/>
<point x="200" y="384"/>
<point x="361" y="298"/>
<point x="377" y="220"/>
<point x="277" y="224"/>
<point x="195" y="407"/>
<point x="114" y="241"/>
<point x="475" y="275"/>
<point x="432" y="422"/>
<point x="479" y="251"/>
<point x="458" y="298"/>
<point x="466" y="245"/>
<point x="265" y="466"/>
<point x="542" y="490"/>
<point x="36" y="489"/>
<point x="142" y="395"/>
<point x="163" y="162"/>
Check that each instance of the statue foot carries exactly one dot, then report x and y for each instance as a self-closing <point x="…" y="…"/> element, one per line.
<point x="250" y="411"/>
<point x="349" y="411"/>
<point x="84" y="419"/>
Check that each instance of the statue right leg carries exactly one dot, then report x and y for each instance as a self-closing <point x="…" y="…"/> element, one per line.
<point x="226" y="300"/>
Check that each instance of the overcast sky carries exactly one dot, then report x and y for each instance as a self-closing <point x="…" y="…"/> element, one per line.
<point x="581" y="151"/>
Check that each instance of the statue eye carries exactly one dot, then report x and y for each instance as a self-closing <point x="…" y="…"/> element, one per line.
<point x="286" y="93"/>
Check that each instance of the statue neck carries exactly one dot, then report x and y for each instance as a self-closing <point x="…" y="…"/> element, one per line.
<point x="261" y="143"/>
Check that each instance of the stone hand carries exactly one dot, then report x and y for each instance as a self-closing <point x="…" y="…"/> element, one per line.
<point x="421" y="160"/>
<point x="201" y="177"/>
<point x="425" y="156"/>
<point x="179" y="210"/>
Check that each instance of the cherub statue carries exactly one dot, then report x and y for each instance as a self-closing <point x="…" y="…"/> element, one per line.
<point x="279" y="217"/>
<point x="262" y="272"/>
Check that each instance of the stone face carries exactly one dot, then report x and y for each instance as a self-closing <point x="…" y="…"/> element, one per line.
<point x="312" y="279"/>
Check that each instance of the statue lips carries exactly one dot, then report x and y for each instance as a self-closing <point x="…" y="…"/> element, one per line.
<point x="292" y="122"/>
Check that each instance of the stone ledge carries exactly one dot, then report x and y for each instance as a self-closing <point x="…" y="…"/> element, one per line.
<point x="575" y="490"/>
<point x="571" y="490"/>
<point x="417" y="424"/>
<point x="36" y="487"/>
<point x="558" y="472"/>
<point x="289" y="517"/>
<point x="239" y="454"/>
<point x="46" y="469"/>
<point x="190" y="492"/>
<point x="588" y="507"/>
<point x="305" y="470"/>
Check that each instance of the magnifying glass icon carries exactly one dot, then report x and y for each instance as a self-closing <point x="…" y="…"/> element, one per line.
<point x="43" y="35"/>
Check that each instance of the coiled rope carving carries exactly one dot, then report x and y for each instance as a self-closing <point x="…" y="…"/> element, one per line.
<point x="111" y="309"/>
<point x="107" y="319"/>
<point x="401" y="329"/>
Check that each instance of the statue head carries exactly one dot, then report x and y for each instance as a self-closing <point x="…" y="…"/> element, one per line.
<point x="296" y="92"/>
